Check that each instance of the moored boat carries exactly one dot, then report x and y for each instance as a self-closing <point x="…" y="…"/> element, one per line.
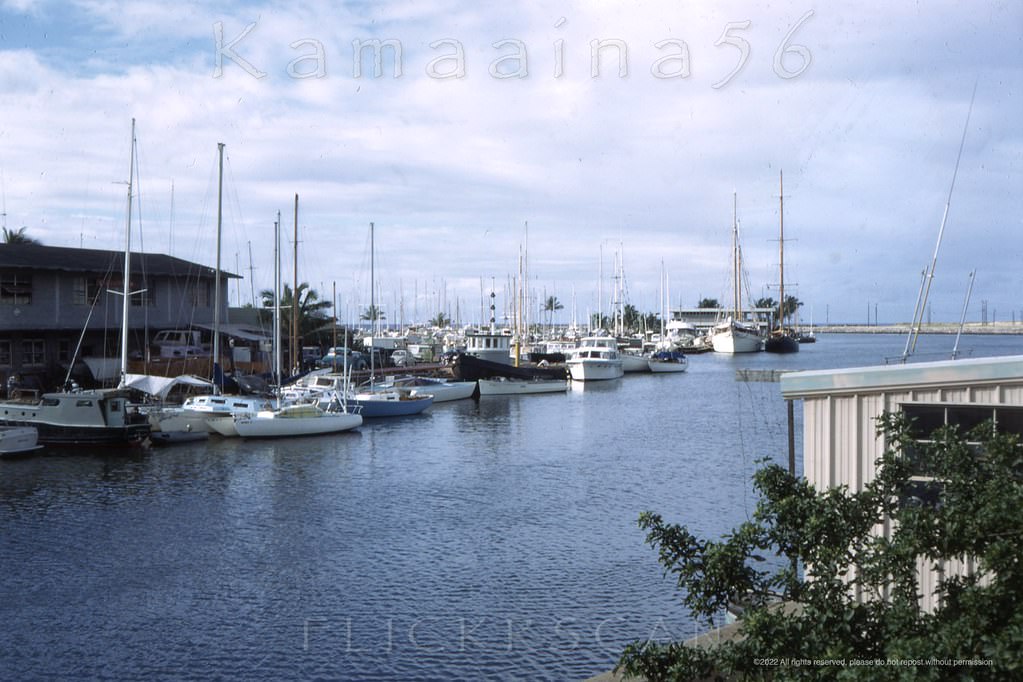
<point x="506" y="386"/>
<point x="596" y="359"/>
<point x="84" y="418"/>
<point x="18" y="440"/>
<point x="295" y="420"/>
<point x="664" y="362"/>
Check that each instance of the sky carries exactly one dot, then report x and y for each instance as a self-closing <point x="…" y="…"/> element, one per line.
<point x="618" y="132"/>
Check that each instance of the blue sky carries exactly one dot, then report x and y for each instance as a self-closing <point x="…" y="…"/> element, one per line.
<point x="450" y="169"/>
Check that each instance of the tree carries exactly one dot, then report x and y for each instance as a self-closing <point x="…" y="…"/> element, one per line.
<point x="373" y="313"/>
<point x="708" y="303"/>
<point x="972" y="507"/>
<point x="765" y="303"/>
<point x="312" y="316"/>
<point x="441" y="321"/>
<point x="551" y="306"/>
<point x="791" y="304"/>
<point x="18" y="236"/>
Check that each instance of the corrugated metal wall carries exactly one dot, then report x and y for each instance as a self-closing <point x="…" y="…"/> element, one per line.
<point x="841" y="445"/>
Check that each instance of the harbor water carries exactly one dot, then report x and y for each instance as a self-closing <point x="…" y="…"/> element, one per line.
<point x="481" y="540"/>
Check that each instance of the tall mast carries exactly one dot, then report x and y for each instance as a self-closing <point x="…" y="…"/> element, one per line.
<point x="127" y="261"/>
<point x="735" y="257"/>
<point x="217" y="383"/>
<point x="278" y="351"/>
<point x="372" y="304"/>
<point x="296" y="352"/>
<point x="781" y="251"/>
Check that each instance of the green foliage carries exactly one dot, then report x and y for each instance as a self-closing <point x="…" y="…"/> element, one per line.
<point x="441" y="320"/>
<point x="978" y="515"/>
<point x="18" y="236"/>
<point x="312" y="312"/>
<point x="708" y="303"/>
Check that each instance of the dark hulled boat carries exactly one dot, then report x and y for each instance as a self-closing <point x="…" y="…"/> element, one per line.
<point x="467" y="367"/>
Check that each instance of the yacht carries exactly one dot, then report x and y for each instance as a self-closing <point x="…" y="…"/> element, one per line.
<point x="596" y="359"/>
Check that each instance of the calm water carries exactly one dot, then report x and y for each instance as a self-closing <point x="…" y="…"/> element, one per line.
<point x="495" y="540"/>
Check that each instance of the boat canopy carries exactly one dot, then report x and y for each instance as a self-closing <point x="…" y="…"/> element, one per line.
<point x="161" y="386"/>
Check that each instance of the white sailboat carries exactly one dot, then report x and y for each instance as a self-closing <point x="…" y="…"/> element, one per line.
<point x="733" y="335"/>
<point x="304" y="419"/>
<point x="665" y="360"/>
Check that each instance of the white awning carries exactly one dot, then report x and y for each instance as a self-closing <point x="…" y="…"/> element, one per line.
<point x="161" y="386"/>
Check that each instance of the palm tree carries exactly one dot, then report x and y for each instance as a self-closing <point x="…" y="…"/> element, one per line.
<point x="440" y="321"/>
<point x="18" y="237"/>
<point x="708" y="303"/>
<point x="551" y="306"/>
<point x="373" y="313"/>
<point x="312" y="316"/>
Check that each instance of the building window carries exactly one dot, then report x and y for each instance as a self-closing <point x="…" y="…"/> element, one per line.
<point x="15" y="289"/>
<point x="5" y="353"/>
<point x="927" y="418"/>
<point x="84" y="290"/>
<point x="64" y="350"/>
<point x="33" y="352"/>
<point x="202" y="294"/>
<point x="146" y="297"/>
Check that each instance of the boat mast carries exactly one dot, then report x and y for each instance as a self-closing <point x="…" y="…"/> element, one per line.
<point x="735" y="257"/>
<point x="217" y="372"/>
<point x="296" y="352"/>
<point x="372" y="305"/>
<point x="781" y="251"/>
<point x="278" y="351"/>
<point x="127" y="262"/>
<point x="925" y="286"/>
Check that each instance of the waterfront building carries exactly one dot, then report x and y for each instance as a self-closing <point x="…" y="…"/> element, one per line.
<point x="840" y="409"/>
<point x="50" y="294"/>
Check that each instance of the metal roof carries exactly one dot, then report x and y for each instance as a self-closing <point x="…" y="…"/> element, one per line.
<point x="974" y="371"/>
<point x="40" y="257"/>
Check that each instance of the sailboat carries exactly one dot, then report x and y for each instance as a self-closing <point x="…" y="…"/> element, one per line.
<point x="302" y="419"/>
<point x="373" y="400"/>
<point x="666" y="360"/>
<point x="99" y="417"/>
<point x="212" y="412"/>
<point x="733" y="335"/>
<point x="781" y="340"/>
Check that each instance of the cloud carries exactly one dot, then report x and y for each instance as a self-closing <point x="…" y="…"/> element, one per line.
<point x="450" y="170"/>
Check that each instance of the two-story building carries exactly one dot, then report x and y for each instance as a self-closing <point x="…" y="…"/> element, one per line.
<point x="55" y="301"/>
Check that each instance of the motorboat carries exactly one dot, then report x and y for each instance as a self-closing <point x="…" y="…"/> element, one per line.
<point x="99" y="417"/>
<point x="596" y="359"/>
<point x="442" y="390"/>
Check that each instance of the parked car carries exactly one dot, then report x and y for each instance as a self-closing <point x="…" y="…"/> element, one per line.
<point x="335" y="359"/>
<point x="402" y="358"/>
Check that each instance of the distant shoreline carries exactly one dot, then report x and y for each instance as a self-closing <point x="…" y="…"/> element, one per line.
<point x="938" y="328"/>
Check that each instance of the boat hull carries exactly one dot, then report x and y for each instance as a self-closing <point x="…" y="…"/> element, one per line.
<point x="634" y="363"/>
<point x="781" y="343"/>
<point x="383" y="407"/>
<point x="470" y="368"/>
<point x="18" y="440"/>
<point x="667" y="363"/>
<point x="734" y="340"/>
<point x="265" y="425"/>
<point x="591" y="369"/>
<point x="502" y="386"/>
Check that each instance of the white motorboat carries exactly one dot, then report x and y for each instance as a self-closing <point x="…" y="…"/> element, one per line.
<point x="507" y="386"/>
<point x="596" y="359"/>
<point x="17" y="440"/>
<point x="664" y="362"/>
<point x="295" y="420"/>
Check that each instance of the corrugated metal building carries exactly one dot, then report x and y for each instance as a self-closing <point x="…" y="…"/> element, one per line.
<point x="840" y="410"/>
